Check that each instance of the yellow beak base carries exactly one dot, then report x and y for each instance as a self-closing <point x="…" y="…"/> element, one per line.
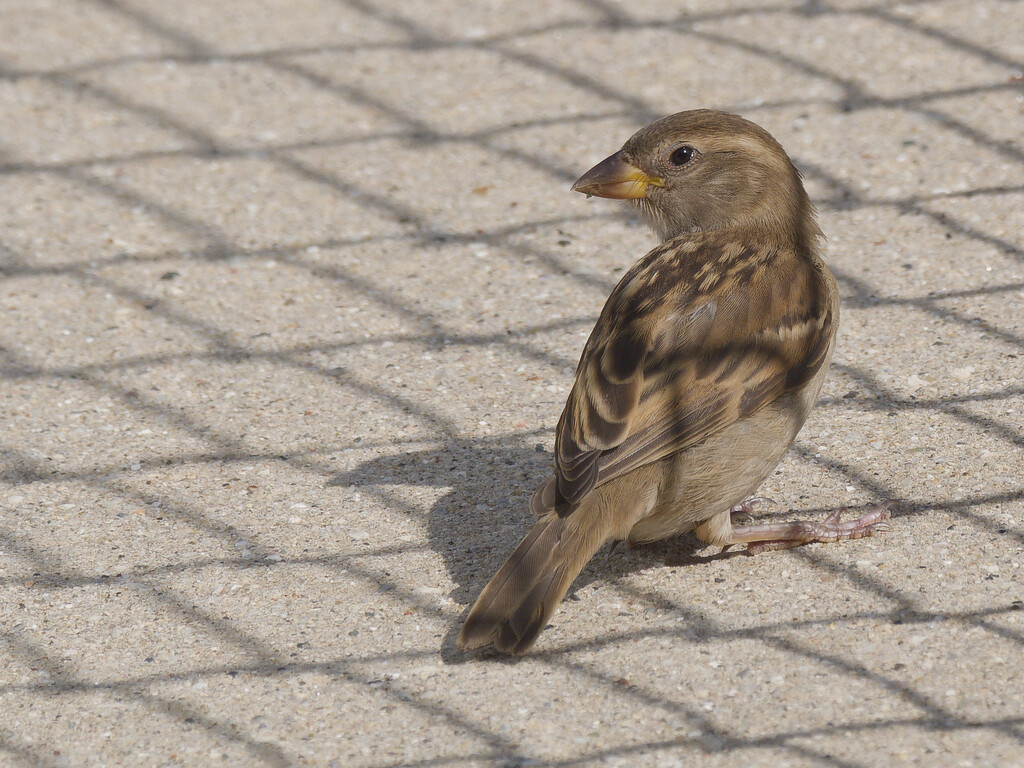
<point x="615" y="178"/>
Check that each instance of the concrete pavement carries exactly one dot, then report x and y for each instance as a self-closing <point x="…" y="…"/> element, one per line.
<point x="292" y="294"/>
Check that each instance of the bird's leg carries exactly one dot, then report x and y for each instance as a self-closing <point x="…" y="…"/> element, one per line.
<point x="764" y="537"/>
<point x="612" y="548"/>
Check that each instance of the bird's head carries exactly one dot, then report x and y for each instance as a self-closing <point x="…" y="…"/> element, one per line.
<point x="702" y="170"/>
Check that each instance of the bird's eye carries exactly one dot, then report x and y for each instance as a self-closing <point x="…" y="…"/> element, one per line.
<point x="682" y="155"/>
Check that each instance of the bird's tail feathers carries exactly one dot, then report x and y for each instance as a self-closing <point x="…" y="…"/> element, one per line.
<point x="517" y="603"/>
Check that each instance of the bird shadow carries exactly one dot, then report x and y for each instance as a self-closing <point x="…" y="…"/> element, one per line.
<point x="475" y="526"/>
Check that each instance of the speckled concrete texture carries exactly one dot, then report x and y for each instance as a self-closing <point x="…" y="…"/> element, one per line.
<point x="292" y="294"/>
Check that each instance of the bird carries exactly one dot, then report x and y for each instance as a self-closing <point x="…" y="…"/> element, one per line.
<point x="703" y="365"/>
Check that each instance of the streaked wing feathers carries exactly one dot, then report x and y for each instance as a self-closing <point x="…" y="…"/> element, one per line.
<point x="696" y="335"/>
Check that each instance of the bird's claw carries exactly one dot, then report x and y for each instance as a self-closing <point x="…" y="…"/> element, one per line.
<point x="788" y="535"/>
<point x="740" y="514"/>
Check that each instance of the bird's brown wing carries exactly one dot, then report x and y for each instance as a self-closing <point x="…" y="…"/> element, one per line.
<point x="698" y="334"/>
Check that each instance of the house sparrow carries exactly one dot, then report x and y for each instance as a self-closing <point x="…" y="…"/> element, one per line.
<point x="706" y="360"/>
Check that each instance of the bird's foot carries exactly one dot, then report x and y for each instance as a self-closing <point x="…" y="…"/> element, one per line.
<point x="741" y="514"/>
<point x="766" y="537"/>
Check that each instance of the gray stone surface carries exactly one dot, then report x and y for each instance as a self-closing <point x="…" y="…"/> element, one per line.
<point x="292" y="294"/>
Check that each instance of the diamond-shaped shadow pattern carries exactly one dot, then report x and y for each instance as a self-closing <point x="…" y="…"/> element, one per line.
<point x="292" y="294"/>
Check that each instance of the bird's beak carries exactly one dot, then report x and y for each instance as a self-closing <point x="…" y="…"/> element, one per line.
<point x="614" y="177"/>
